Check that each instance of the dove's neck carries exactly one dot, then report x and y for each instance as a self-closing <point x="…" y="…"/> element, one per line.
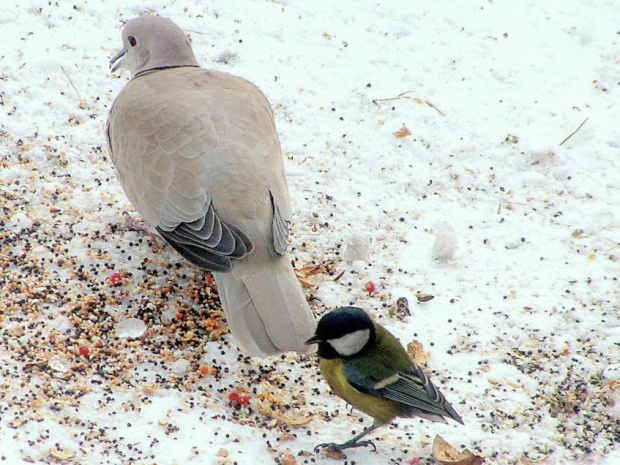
<point x="152" y="70"/>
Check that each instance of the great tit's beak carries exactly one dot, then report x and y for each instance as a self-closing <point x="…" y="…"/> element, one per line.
<point x="116" y="61"/>
<point x="314" y="340"/>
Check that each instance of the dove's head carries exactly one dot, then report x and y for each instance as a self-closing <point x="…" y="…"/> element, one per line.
<point x="152" y="42"/>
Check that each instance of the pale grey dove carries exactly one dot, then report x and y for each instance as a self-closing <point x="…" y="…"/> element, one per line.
<point x="198" y="156"/>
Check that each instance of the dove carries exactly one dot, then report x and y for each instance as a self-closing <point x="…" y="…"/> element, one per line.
<point x="197" y="153"/>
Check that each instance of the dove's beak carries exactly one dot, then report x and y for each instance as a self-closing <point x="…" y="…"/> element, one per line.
<point x="116" y="62"/>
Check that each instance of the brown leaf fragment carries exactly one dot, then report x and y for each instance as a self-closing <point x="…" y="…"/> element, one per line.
<point x="308" y="282"/>
<point x="288" y="459"/>
<point x="416" y="351"/>
<point x="311" y="270"/>
<point x="305" y="275"/>
<point x="62" y="455"/>
<point x="446" y="454"/>
<point x="578" y="233"/>
<point x="402" y="132"/>
<point x="335" y="454"/>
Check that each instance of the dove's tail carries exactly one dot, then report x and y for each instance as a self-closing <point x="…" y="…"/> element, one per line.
<point x="267" y="311"/>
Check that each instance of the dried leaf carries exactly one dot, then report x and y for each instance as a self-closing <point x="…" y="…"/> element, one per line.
<point x="578" y="233"/>
<point x="335" y="454"/>
<point x="307" y="282"/>
<point x="415" y="349"/>
<point x="62" y="455"/>
<point x="305" y="275"/>
<point x="206" y="370"/>
<point x="402" y="132"/>
<point x="447" y="455"/>
<point x="288" y="459"/>
<point x="311" y="270"/>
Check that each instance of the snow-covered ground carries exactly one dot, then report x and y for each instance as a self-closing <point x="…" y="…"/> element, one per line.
<point x="412" y="130"/>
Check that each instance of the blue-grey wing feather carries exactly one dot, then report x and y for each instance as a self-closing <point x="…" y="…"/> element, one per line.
<point x="209" y="242"/>
<point x="411" y="388"/>
<point x="279" y="230"/>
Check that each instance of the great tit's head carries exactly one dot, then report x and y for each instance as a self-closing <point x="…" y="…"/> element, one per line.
<point x="344" y="332"/>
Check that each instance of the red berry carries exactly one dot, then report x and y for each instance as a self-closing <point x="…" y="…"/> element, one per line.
<point x="370" y="287"/>
<point x="240" y="399"/>
<point x="84" y="351"/>
<point x="116" y="278"/>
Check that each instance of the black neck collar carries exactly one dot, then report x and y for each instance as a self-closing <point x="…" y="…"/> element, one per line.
<point x="145" y="71"/>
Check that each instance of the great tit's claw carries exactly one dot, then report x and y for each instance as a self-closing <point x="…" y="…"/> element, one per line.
<point x="346" y="445"/>
<point x="364" y="444"/>
<point x="327" y="445"/>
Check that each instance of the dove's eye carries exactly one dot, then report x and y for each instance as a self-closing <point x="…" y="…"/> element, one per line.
<point x="132" y="41"/>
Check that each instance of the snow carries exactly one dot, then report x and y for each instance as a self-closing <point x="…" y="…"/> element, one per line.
<point x="522" y="331"/>
<point x="131" y="327"/>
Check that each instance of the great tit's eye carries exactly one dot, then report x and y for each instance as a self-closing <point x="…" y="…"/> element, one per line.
<point x="132" y="41"/>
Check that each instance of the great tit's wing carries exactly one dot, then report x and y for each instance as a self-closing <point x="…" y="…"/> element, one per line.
<point x="411" y="388"/>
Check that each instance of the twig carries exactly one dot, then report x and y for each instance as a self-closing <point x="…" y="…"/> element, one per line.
<point x="196" y="32"/>
<point x="575" y="131"/>
<point x="83" y="104"/>
<point x="400" y="96"/>
<point x="404" y="95"/>
<point x="71" y="82"/>
<point x="434" y="107"/>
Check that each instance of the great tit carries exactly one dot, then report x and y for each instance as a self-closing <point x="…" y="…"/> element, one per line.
<point x="366" y="365"/>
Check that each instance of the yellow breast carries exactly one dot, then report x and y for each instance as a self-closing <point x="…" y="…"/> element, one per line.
<point x="382" y="410"/>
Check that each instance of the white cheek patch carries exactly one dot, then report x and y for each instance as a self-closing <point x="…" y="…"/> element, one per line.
<point x="350" y="344"/>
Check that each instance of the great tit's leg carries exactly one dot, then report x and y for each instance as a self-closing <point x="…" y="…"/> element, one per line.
<point x="351" y="443"/>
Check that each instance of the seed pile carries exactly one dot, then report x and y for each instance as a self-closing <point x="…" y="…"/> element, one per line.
<point x="71" y="348"/>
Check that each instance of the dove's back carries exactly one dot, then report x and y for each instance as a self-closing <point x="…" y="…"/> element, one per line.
<point x="198" y="155"/>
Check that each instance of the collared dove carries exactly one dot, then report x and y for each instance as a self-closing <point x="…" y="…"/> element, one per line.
<point x="198" y="155"/>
